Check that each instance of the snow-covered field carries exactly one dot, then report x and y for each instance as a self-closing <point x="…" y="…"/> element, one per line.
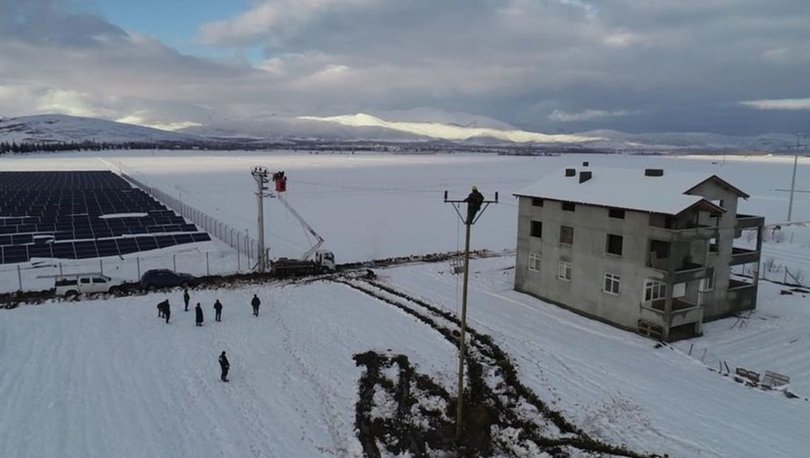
<point x="108" y="378"/>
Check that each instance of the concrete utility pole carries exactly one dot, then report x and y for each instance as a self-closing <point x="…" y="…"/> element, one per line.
<point x="793" y="180"/>
<point x="262" y="177"/>
<point x="474" y="212"/>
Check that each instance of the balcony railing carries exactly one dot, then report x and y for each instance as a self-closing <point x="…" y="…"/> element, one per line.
<point x="683" y="312"/>
<point x="748" y="221"/>
<point x="684" y="273"/>
<point x="743" y="256"/>
<point x="685" y="234"/>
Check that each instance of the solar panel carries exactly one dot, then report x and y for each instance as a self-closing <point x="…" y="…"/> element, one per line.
<point x="64" y="250"/>
<point x="40" y="251"/>
<point x="164" y="241"/>
<point x="86" y="250"/>
<point x="146" y="243"/>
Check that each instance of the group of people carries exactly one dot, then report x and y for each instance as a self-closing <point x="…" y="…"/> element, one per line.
<point x="164" y="309"/>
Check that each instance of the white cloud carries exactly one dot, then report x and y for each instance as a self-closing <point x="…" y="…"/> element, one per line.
<point x="779" y="104"/>
<point x="586" y="115"/>
<point x="270" y="17"/>
<point x="68" y="102"/>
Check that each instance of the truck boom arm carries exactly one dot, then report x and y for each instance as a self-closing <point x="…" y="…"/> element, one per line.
<point x="306" y="226"/>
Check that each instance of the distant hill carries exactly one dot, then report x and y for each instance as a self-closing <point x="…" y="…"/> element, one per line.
<point x="65" y="129"/>
<point x="421" y="125"/>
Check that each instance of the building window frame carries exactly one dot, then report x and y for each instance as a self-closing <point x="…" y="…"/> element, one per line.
<point x="614" y="244"/>
<point x="568" y="206"/>
<point x="616" y="213"/>
<point x="536" y="229"/>
<point x="535" y="262"/>
<point x="707" y="283"/>
<point x="566" y="235"/>
<point x="654" y="290"/>
<point x="564" y="270"/>
<point x="537" y="202"/>
<point x="612" y="284"/>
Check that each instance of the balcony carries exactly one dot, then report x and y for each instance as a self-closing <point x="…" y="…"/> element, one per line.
<point x="697" y="232"/>
<point x="687" y="271"/>
<point x="743" y="256"/>
<point x="683" y="312"/>
<point x="749" y="221"/>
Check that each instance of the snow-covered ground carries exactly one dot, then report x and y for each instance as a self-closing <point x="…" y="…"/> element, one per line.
<point x="107" y="378"/>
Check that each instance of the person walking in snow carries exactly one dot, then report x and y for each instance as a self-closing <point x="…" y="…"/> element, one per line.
<point x="217" y="311"/>
<point x="199" y="313"/>
<point x="224" y="365"/>
<point x="167" y="311"/>
<point x="256" y="302"/>
<point x="186" y="297"/>
<point x="162" y="306"/>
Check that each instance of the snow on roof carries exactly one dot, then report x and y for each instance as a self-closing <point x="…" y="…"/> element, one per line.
<point x="622" y="188"/>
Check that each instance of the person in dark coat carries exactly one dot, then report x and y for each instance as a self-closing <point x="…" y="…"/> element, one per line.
<point x="474" y="201"/>
<point x="224" y="365"/>
<point x="256" y="302"/>
<point x="167" y="311"/>
<point x="186" y="297"/>
<point x="162" y="307"/>
<point x="217" y="311"/>
<point x="199" y="313"/>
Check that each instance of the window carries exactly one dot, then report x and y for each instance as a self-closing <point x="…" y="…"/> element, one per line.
<point x="537" y="229"/>
<point x="707" y="284"/>
<point x="614" y="244"/>
<point x="654" y="290"/>
<point x="534" y="262"/>
<point x="567" y="235"/>
<point x="569" y="206"/>
<point x="537" y="202"/>
<point x="617" y="213"/>
<point x="564" y="270"/>
<point x="84" y="281"/>
<point x="612" y="283"/>
<point x="99" y="280"/>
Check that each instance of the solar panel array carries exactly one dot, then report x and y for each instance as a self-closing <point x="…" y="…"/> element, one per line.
<point x="79" y="215"/>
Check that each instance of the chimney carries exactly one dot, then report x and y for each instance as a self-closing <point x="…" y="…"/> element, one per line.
<point x="584" y="163"/>
<point x="584" y="176"/>
<point x="570" y="172"/>
<point x="653" y="172"/>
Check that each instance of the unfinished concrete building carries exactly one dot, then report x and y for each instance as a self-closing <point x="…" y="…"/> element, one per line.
<point x="648" y="250"/>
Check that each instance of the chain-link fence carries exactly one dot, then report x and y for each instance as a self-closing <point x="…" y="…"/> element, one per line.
<point x="246" y="247"/>
<point x="39" y="276"/>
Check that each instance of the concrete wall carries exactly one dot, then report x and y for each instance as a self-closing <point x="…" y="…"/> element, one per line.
<point x="590" y="260"/>
<point x="588" y="257"/>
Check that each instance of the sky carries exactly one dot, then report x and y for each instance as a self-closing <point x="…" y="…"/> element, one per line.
<point x="556" y="66"/>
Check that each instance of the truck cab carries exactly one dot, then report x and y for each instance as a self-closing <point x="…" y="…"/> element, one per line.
<point x="71" y="285"/>
<point x="326" y="260"/>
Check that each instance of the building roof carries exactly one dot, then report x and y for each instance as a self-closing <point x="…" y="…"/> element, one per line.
<point x="629" y="189"/>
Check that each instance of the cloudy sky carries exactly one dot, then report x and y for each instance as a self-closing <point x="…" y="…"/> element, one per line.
<point x="728" y="66"/>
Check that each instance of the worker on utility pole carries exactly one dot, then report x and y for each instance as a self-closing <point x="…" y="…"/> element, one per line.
<point x="474" y="201"/>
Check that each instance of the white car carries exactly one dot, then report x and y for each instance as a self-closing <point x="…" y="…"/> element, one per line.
<point x="73" y="285"/>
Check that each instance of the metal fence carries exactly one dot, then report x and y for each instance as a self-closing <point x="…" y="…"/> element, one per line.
<point x="247" y="248"/>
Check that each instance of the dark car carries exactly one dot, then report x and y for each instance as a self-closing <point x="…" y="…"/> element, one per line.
<point x="165" y="278"/>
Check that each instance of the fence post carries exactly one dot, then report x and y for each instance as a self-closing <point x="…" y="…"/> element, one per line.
<point x="19" y="276"/>
<point x="138" y="263"/>
<point x="704" y="354"/>
<point x="60" y="269"/>
<point x="238" y="252"/>
<point x="101" y="266"/>
<point x="207" y="268"/>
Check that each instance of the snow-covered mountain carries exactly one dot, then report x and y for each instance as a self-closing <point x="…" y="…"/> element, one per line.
<point x="62" y="129"/>
<point x="679" y="141"/>
<point x="421" y="124"/>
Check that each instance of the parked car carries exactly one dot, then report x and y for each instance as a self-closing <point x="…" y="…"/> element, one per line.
<point x="72" y="285"/>
<point x="165" y="278"/>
